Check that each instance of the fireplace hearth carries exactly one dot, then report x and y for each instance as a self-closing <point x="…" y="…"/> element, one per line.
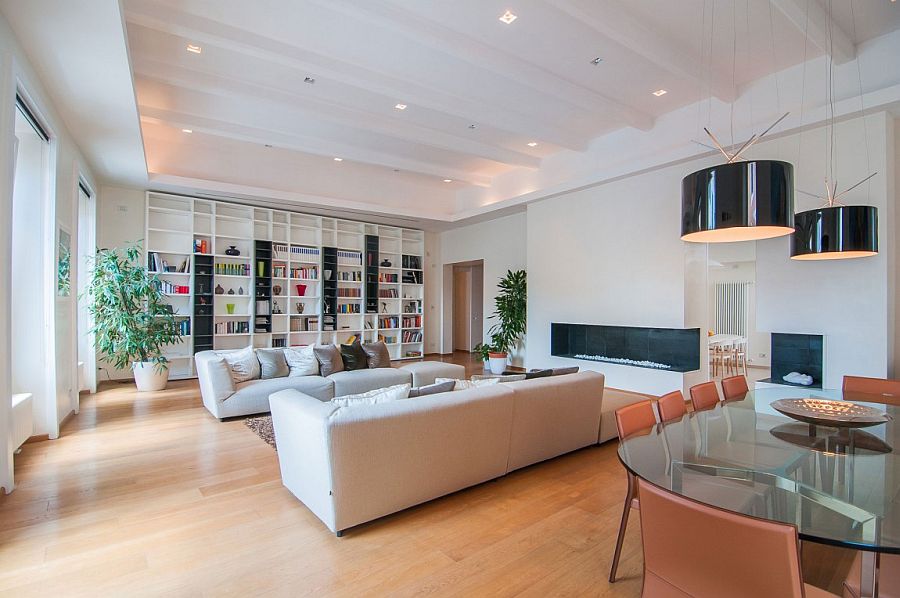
<point x="666" y="349"/>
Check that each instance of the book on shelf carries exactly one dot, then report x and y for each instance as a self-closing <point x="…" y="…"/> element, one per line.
<point x="232" y="327"/>
<point x="388" y="293"/>
<point x="304" y="254"/>
<point x="389" y="322"/>
<point x="412" y="336"/>
<point x="349" y="258"/>
<point x="201" y="246"/>
<point x="228" y="269"/>
<point x="161" y="266"/>
<point x="412" y="261"/>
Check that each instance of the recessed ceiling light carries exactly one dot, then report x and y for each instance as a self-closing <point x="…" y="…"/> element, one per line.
<point x="400" y="106"/>
<point x="660" y="92"/>
<point x="187" y="130"/>
<point x="338" y="159"/>
<point x="508" y="17"/>
<point x="309" y="80"/>
<point x="532" y="144"/>
<point x="194" y="49"/>
<point x="448" y="180"/>
<point x="596" y="61"/>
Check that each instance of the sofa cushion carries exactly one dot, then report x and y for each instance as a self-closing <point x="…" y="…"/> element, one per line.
<point x="373" y="397"/>
<point x="329" y="358"/>
<point x="354" y="357"/>
<point x="253" y="396"/>
<point x="426" y="372"/>
<point x="377" y="355"/>
<point x="467" y="384"/>
<point x="243" y="364"/>
<point x="357" y="381"/>
<point x="272" y="363"/>
<point x="302" y="361"/>
<point x="432" y="389"/>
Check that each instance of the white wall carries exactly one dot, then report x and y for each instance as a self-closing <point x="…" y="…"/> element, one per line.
<point x="501" y="243"/>
<point x="611" y="254"/>
<point x="66" y="162"/>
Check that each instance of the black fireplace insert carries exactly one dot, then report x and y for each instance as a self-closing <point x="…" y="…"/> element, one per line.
<point x="667" y="349"/>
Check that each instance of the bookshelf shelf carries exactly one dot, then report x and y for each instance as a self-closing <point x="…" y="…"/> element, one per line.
<point x="195" y="232"/>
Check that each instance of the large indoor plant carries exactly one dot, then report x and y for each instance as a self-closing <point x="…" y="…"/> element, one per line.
<point x="132" y="321"/>
<point x="510" y="311"/>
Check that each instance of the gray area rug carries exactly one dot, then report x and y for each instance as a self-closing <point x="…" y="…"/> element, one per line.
<point x="262" y="427"/>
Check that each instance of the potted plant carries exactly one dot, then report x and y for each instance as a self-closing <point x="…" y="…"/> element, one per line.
<point x="132" y="321"/>
<point x="510" y="311"/>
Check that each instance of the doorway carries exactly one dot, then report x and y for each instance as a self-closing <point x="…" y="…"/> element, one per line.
<point x="467" y="297"/>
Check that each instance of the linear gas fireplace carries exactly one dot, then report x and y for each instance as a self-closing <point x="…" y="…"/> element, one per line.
<point x="668" y="349"/>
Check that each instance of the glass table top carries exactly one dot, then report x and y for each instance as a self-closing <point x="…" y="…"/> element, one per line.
<point x="837" y="485"/>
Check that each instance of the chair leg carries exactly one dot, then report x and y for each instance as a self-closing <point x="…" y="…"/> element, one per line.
<point x="626" y="511"/>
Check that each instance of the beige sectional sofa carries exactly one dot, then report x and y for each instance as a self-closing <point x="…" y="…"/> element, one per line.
<point x="354" y="464"/>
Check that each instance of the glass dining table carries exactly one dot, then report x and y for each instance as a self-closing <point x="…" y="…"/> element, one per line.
<point x="836" y="485"/>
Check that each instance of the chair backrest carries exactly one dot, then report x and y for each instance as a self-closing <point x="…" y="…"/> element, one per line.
<point x="877" y="386"/>
<point x="734" y="387"/>
<point x="634" y="418"/>
<point x="704" y="396"/>
<point x="704" y="552"/>
<point x="671" y="406"/>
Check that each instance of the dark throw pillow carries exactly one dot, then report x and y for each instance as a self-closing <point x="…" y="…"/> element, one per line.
<point x="377" y="355"/>
<point x="329" y="358"/>
<point x="272" y="363"/>
<point x="432" y="389"/>
<point x="538" y="374"/>
<point x="563" y="371"/>
<point x="354" y="357"/>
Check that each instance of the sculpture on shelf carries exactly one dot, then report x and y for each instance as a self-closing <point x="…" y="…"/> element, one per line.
<point x="219" y="290"/>
<point x="240" y="290"/>
<point x="300" y="307"/>
<point x="232" y="250"/>
<point x="276" y="309"/>
<point x="276" y="289"/>
<point x="385" y="263"/>
<point x="231" y="291"/>
<point x="384" y="307"/>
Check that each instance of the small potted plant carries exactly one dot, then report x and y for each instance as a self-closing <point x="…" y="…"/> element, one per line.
<point x="510" y="311"/>
<point x="132" y="321"/>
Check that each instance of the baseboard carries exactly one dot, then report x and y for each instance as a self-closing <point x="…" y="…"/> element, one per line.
<point x="37" y="438"/>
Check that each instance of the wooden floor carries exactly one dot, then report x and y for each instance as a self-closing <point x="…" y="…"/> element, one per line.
<point x="148" y="494"/>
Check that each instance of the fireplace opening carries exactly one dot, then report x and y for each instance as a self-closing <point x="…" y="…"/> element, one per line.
<point x="797" y="353"/>
<point x="667" y="349"/>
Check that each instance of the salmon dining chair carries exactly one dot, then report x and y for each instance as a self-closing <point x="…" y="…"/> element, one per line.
<point x="695" y="550"/>
<point x="630" y="420"/>
<point x="734" y="388"/>
<point x="888" y="389"/>
<point x="671" y="406"/>
<point x="704" y="396"/>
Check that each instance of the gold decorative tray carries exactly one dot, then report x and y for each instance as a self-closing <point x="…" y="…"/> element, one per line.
<point x="824" y="412"/>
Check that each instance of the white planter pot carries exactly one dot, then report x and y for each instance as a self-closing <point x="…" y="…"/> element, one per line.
<point x="148" y="377"/>
<point x="497" y="364"/>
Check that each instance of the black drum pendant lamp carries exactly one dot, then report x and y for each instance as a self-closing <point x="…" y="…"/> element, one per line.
<point x="835" y="233"/>
<point x="738" y="201"/>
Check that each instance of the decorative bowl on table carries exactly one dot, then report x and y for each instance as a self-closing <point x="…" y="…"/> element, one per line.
<point x="825" y="412"/>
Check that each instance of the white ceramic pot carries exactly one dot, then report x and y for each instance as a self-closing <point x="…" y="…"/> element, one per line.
<point x="497" y="362"/>
<point x="148" y="377"/>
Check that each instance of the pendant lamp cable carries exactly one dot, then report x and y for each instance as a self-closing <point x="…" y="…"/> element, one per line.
<point x="862" y="106"/>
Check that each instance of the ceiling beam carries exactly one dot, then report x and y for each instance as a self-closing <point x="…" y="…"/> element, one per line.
<point x="614" y="21"/>
<point x="317" y="147"/>
<point x="389" y="126"/>
<point x="842" y="48"/>
<point x="482" y="55"/>
<point x="170" y="20"/>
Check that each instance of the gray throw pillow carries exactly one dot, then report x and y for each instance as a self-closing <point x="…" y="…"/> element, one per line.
<point x="432" y="389"/>
<point x="243" y="364"/>
<point x="330" y="361"/>
<point x="377" y="355"/>
<point x="563" y="371"/>
<point x="538" y="374"/>
<point x="354" y="357"/>
<point x="272" y="363"/>
<point x="502" y="378"/>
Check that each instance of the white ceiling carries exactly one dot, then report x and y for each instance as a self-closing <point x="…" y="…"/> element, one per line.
<point x="257" y="125"/>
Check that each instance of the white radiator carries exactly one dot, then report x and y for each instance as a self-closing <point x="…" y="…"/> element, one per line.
<point x="22" y="418"/>
<point x="732" y="307"/>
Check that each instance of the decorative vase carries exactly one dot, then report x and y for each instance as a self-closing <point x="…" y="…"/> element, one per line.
<point x="327" y="274"/>
<point x="148" y="377"/>
<point x="301" y="290"/>
<point x="230" y="292"/>
<point x="276" y="289"/>
<point x="260" y="269"/>
<point x="232" y="250"/>
<point x="385" y="263"/>
<point x="229" y="307"/>
<point x="300" y="307"/>
<point x="219" y="290"/>
<point x="240" y="291"/>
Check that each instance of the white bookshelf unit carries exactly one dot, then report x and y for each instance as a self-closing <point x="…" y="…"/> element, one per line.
<point x="297" y="279"/>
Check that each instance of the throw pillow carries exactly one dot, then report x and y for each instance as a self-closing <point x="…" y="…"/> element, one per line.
<point x="373" y="397"/>
<point x="354" y="357"/>
<point x="377" y="355"/>
<point x="466" y="384"/>
<point x="243" y="364"/>
<point x="329" y="358"/>
<point x="538" y="374"/>
<point x="502" y="378"/>
<point x="432" y="389"/>
<point x="272" y="363"/>
<point x="563" y="371"/>
<point x="302" y="361"/>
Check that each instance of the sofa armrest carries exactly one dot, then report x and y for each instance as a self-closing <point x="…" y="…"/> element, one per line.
<point x="302" y="435"/>
<point x="216" y="383"/>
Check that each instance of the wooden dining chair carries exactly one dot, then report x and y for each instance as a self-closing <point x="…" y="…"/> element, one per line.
<point x="704" y="396"/>
<point x="734" y="388"/>
<point x="630" y="420"/>
<point x="888" y="389"/>
<point x="693" y="549"/>
<point x="671" y="406"/>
